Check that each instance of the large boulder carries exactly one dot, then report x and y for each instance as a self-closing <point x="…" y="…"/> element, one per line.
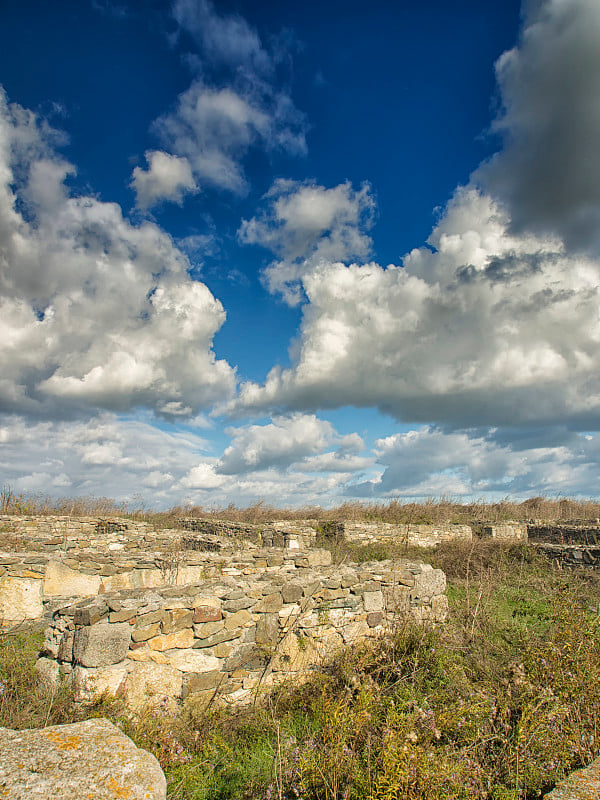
<point x="92" y="760"/>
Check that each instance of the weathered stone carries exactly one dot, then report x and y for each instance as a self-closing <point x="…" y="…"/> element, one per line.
<point x="203" y="681"/>
<point x="238" y="604"/>
<point x="373" y="601"/>
<point x="193" y="661"/>
<point x="271" y="602"/>
<point x="143" y="634"/>
<point x="222" y="650"/>
<point x="181" y="639"/>
<point x="149" y="683"/>
<point x="49" y="671"/>
<point x="375" y="618"/>
<point x="91" y="614"/>
<point x="20" y="599"/>
<point x="71" y="762"/>
<point x="177" y="619"/>
<point x="207" y="614"/>
<point x="65" y="648"/>
<point x="248" y="656"/>
<point x="124" y="615"/>
<point x="239" y="619"/>
<point x="291" y="592"/>
<point x="207" y="629"/>
<point x="102" y="644"/>
<point x="88" y="683"/>
<point x="217" y="638"/>
<point x="267" y="629"/>
<point x="62" y="581"/>
<point x="149" y="618"/>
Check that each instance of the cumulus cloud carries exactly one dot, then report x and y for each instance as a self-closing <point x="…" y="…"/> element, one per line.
<point x="483" y="327"/>
<point x="431" y="462"/>
<point x="167" y="178"/>
<point x="94" y="312"/>
<point x="125" y="458"/>
<point x="283" y="442"/>
<point x="237" y="102"/>
<point x="305" y="224"/>
<point x="548" y="172"/>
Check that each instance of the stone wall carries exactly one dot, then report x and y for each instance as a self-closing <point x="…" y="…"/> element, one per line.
<point x="507" y="531"/>
<point x="32" y="585"/>
<point x="412" y="534"/>
<point x="228" y="637"/>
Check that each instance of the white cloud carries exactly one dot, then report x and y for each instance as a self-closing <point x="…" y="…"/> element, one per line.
<point x="278" y="444"/>
<point x="484" y="327"/>
<point x="224" y="40"/>
<point x="167" y="178"/>
<point x="94" y="312"/>
<point x="305" y="224"/>
<point x="234" y="104"/>
<point x="432" y="463"/>
<point x="548" y="171"/>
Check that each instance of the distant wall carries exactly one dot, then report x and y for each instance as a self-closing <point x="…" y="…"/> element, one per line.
<point x="507" y="531"/>
<point x="412" y="534"/>
<point x="228" y="637"/>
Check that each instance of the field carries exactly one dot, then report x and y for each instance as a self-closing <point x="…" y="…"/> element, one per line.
<point x="500" y="702"/>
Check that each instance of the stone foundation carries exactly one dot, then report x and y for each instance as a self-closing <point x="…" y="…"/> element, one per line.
<point x="227" y="638"/>
<point x="410" y="535"/>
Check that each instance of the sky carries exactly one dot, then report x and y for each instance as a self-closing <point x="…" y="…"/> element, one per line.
<point x="299" y="253"/>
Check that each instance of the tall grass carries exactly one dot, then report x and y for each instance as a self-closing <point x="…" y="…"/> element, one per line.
<point x="497" y="704"/>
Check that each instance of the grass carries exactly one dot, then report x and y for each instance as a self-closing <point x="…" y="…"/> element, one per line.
<point x="499" y="703"/>
<point x="431" y="511"/>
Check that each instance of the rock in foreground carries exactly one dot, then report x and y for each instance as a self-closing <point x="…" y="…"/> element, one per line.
<point x="91" y="760"/>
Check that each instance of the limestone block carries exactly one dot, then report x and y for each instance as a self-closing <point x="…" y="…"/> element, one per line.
<point x="182" y="639"/>
<point x="20" y="599"/>
<point x="439" y="608"/>
<point x="193" y="661"/>
<point x="72" y="762"/>
<point x="207" y="629"/>
<point x="373" y="601"/>
<point x="429" y="583"/>
<point x="177" y="619"/>
<point x="62" y="581"/>
<point x="102" y="644"/>
<point x="207" y="614"/>
<point x="397" y="599"/>
<point x="87" y="683"/>
<point x="48" y="669"/>
<point x="267" y="629"/>
<point x="295" y="654"/>
<point x="240" y="618"/>
<point x="291" y="592"/>
<point x="270" y="603"/>
<point x="248" y="656"/>
<point x="65" y="648"/>
<point x="353" y="631"/>
<point x="150" y="683"/>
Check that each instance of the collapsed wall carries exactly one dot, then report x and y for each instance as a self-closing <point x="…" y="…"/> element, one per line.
<point x="228" y="637"/>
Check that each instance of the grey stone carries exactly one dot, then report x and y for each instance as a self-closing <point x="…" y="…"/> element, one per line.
<point x="217" y="638"/>
<point x="267" y="629"/>
<point x="69" y="762"/>
<point x="291" y="592"/>
<point x="101" y="645"/>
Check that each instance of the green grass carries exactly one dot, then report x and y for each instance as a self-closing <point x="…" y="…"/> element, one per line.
<point x="497" y="704"/>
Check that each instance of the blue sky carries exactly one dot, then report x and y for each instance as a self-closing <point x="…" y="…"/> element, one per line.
<point x="298" y="253"/>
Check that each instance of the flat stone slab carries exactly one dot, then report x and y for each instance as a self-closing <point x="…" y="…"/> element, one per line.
<point x="583" y="784"/>
<point x="91" y="760"/>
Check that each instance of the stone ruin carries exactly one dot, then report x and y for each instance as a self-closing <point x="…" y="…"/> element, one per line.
<point x="210" y="609"/>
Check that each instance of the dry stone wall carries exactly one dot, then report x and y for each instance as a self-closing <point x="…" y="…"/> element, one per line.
<point x="226" y="638"/>
<point x="32" y="586"/>
<point x="411" y="534"/>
